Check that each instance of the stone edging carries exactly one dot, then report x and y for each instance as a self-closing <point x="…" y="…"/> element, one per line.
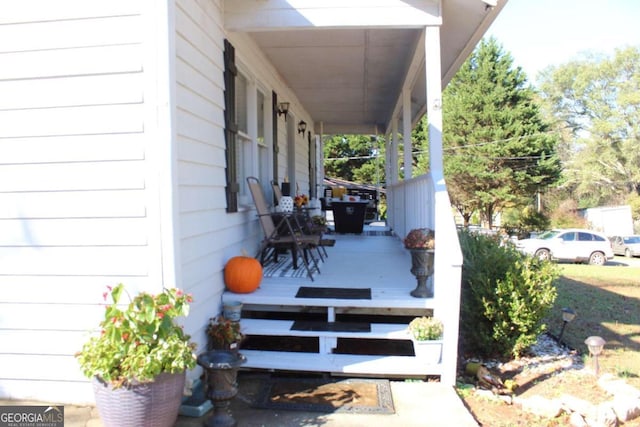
<point x="624" y="407"/>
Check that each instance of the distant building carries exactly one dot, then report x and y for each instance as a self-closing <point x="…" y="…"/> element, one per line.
<point x="610" y="220"/>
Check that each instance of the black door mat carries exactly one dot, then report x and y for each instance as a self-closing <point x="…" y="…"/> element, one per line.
<point x="354" y="396"/>
<point x="334" y="293"/>
<point x="310" y="325"/>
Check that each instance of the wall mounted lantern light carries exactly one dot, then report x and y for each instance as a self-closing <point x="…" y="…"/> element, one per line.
<point x="302" y="127"/>
<point x="595" y="344"/>
<point x="283" y="108"/>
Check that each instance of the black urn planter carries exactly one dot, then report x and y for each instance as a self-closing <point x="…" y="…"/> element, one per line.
<point x="422" y="268"/>
<point x="221" y="368"/>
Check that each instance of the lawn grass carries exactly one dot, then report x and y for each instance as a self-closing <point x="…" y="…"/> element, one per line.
<point x="607" y="302"/>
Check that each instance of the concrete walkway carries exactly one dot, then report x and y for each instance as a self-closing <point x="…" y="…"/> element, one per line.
<point x="424" y="404"/>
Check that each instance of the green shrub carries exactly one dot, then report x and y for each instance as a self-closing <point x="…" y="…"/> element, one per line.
<point x="505" y="295"/>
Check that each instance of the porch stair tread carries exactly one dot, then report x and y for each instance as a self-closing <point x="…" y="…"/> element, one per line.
<point x="283" y="328"/>
<point x="400" y="366"/>
<point x="285" y="294"/>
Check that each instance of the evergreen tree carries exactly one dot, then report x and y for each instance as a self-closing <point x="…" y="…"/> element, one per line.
<point x="498" y="151"/>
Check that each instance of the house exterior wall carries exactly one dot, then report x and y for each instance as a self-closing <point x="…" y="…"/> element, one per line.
<point x="77" y="184"/>
<point x="113" y="170"/>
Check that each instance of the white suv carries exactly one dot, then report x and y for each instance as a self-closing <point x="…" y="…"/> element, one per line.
<point x="575" y="245"/>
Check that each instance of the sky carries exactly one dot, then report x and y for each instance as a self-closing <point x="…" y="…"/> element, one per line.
<point x="539" y="33"/>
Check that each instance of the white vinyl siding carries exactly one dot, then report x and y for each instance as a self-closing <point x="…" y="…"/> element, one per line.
<point x="74" y="190"/>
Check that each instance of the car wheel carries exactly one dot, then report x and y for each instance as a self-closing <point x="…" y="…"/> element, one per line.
<point x="597" y="258"/>
<point x="543" y="254"/>
<point x="627" y="253"/>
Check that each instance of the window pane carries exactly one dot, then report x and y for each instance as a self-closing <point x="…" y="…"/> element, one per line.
<point x="243" y="164"/>
<point x="241" y="103"/>
<point x="260" y="116"/>
<point x="263" y="165"/>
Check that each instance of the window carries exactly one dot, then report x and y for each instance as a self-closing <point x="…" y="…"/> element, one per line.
<point x="588" y="237"/>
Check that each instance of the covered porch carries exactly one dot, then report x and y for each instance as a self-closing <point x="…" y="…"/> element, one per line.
<point x="368" y="68"/>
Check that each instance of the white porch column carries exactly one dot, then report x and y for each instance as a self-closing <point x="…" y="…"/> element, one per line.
<point x="406" y="133"/>
<point x="392" y="176"/>
<point x="434" y="97"/>
<point x="393" y="153"/>
<point x="320" y="139"/>
<point x="447" y="265"/>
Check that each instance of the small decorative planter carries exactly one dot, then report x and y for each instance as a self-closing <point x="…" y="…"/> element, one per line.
<point x="224" y="334"/>
<point x="286" y="204"/>
<point x="426" y="335"/>
<point x="428" y="351"/>
<point x="232" y="310"/>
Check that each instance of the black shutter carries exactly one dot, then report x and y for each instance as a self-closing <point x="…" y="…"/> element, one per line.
<point x="274" y="109"/>
<point x="230" y="126"/>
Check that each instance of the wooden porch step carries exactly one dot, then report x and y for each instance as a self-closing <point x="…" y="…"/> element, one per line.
<point x="284" y="294"/>
<point x="347" y="364"/>
<point x="283" y="328"/>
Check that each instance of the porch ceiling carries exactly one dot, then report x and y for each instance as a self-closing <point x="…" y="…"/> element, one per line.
<point x="350" y="79"/>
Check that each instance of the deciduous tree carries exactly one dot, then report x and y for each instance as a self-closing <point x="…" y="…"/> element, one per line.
<point x="598" y="100"/>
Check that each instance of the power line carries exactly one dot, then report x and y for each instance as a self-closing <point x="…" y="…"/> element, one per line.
<point x="480" y="144"/>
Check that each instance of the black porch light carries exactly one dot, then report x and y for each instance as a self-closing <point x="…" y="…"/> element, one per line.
<point x="283" y="108"/>
<point x="595" y="345"/>
<point x="302" y="127"/>
<point x="567" y="316"/>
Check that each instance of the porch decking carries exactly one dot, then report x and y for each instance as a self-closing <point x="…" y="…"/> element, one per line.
<point x="374" y="260"/>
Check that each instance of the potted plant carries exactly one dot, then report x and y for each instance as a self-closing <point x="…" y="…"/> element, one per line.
<point x="139" y="359"/>
<point x="224" y="334"/>
<point x="317" y="224"/>
<point x="420" y="238"/>
<point x="421" y="242"/>
<point x="426" y="334"/>
<point x="301" y="200"/>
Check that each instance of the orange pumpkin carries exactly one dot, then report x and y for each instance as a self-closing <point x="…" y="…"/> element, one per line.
<point x="242" y="274"/>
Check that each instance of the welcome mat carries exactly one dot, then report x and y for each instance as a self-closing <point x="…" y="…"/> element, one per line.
<point x="356" y="396"/>
<point x="284" y="268"/>
<point x="334" y="293"/>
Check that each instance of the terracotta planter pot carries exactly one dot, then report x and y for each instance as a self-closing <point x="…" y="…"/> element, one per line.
<point x="153" y="404"/>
